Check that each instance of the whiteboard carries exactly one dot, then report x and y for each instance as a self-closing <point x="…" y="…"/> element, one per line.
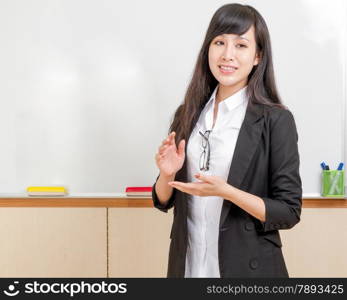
<point x="88" y="88"/>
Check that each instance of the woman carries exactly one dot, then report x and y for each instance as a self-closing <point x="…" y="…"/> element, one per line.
<point x="239" y="182"/>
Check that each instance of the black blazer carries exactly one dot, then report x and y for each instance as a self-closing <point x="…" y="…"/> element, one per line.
<point x="265" y="163"/>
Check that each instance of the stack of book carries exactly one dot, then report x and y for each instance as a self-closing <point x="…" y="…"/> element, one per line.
<point x="46" y="191"/>
<point x="138" y="191"/>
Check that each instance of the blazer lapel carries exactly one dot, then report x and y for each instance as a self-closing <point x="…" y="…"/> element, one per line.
<point x="246" y="145"/>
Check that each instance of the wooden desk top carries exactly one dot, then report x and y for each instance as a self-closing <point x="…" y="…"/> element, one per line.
<point x="134" y="202"/>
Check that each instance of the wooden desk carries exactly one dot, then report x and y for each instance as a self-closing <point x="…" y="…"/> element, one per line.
<point x="131" y="202"/>
<point x="57" y="237"/>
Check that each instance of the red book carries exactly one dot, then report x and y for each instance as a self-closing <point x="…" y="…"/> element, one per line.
<point x="139" y="191"/>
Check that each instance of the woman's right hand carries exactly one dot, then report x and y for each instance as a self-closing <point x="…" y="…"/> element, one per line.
<point x="169" y="158"/>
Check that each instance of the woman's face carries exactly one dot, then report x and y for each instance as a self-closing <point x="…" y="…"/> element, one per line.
<point x="231" y="57"/>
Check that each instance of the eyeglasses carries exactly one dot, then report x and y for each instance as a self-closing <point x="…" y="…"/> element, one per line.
<point x="204" y="162"/>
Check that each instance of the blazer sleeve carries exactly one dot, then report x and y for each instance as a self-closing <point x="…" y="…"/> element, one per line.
<point x="158" y="204"/>
<point x="283" y="206"/>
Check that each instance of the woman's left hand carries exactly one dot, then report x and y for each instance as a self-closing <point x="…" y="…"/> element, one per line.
<point x="208" y="186"/>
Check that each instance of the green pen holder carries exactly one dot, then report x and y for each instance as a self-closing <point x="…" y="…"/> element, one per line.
<point x="333" y="183"/>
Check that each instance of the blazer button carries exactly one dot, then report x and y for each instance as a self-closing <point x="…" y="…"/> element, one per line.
<point x="249" y="226"/>
<point x="253" y="263"/>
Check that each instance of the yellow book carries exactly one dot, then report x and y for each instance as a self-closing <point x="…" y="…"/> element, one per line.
<point x="46" y="190"/>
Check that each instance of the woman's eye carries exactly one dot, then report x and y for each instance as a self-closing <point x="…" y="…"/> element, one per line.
<point x="241" y="46"/>
<point x="219" y="43"/>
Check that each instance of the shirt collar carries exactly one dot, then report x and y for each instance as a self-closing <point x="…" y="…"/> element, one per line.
<point x="233" y="101"/>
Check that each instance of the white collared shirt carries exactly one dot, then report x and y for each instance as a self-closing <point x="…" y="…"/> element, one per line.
<point x="204" y="212"/>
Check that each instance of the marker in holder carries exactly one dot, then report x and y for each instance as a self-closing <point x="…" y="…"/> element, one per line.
<point x="333" y="183"/>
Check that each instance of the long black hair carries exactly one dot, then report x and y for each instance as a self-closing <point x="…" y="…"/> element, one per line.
<point x="261" y="87"/>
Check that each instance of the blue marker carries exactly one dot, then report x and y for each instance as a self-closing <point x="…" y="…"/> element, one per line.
<point x="340" y="167"/>
<point x="323" y="165"/>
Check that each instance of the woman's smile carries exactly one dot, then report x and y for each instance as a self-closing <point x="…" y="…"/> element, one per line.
<point x="225" y="69"/>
